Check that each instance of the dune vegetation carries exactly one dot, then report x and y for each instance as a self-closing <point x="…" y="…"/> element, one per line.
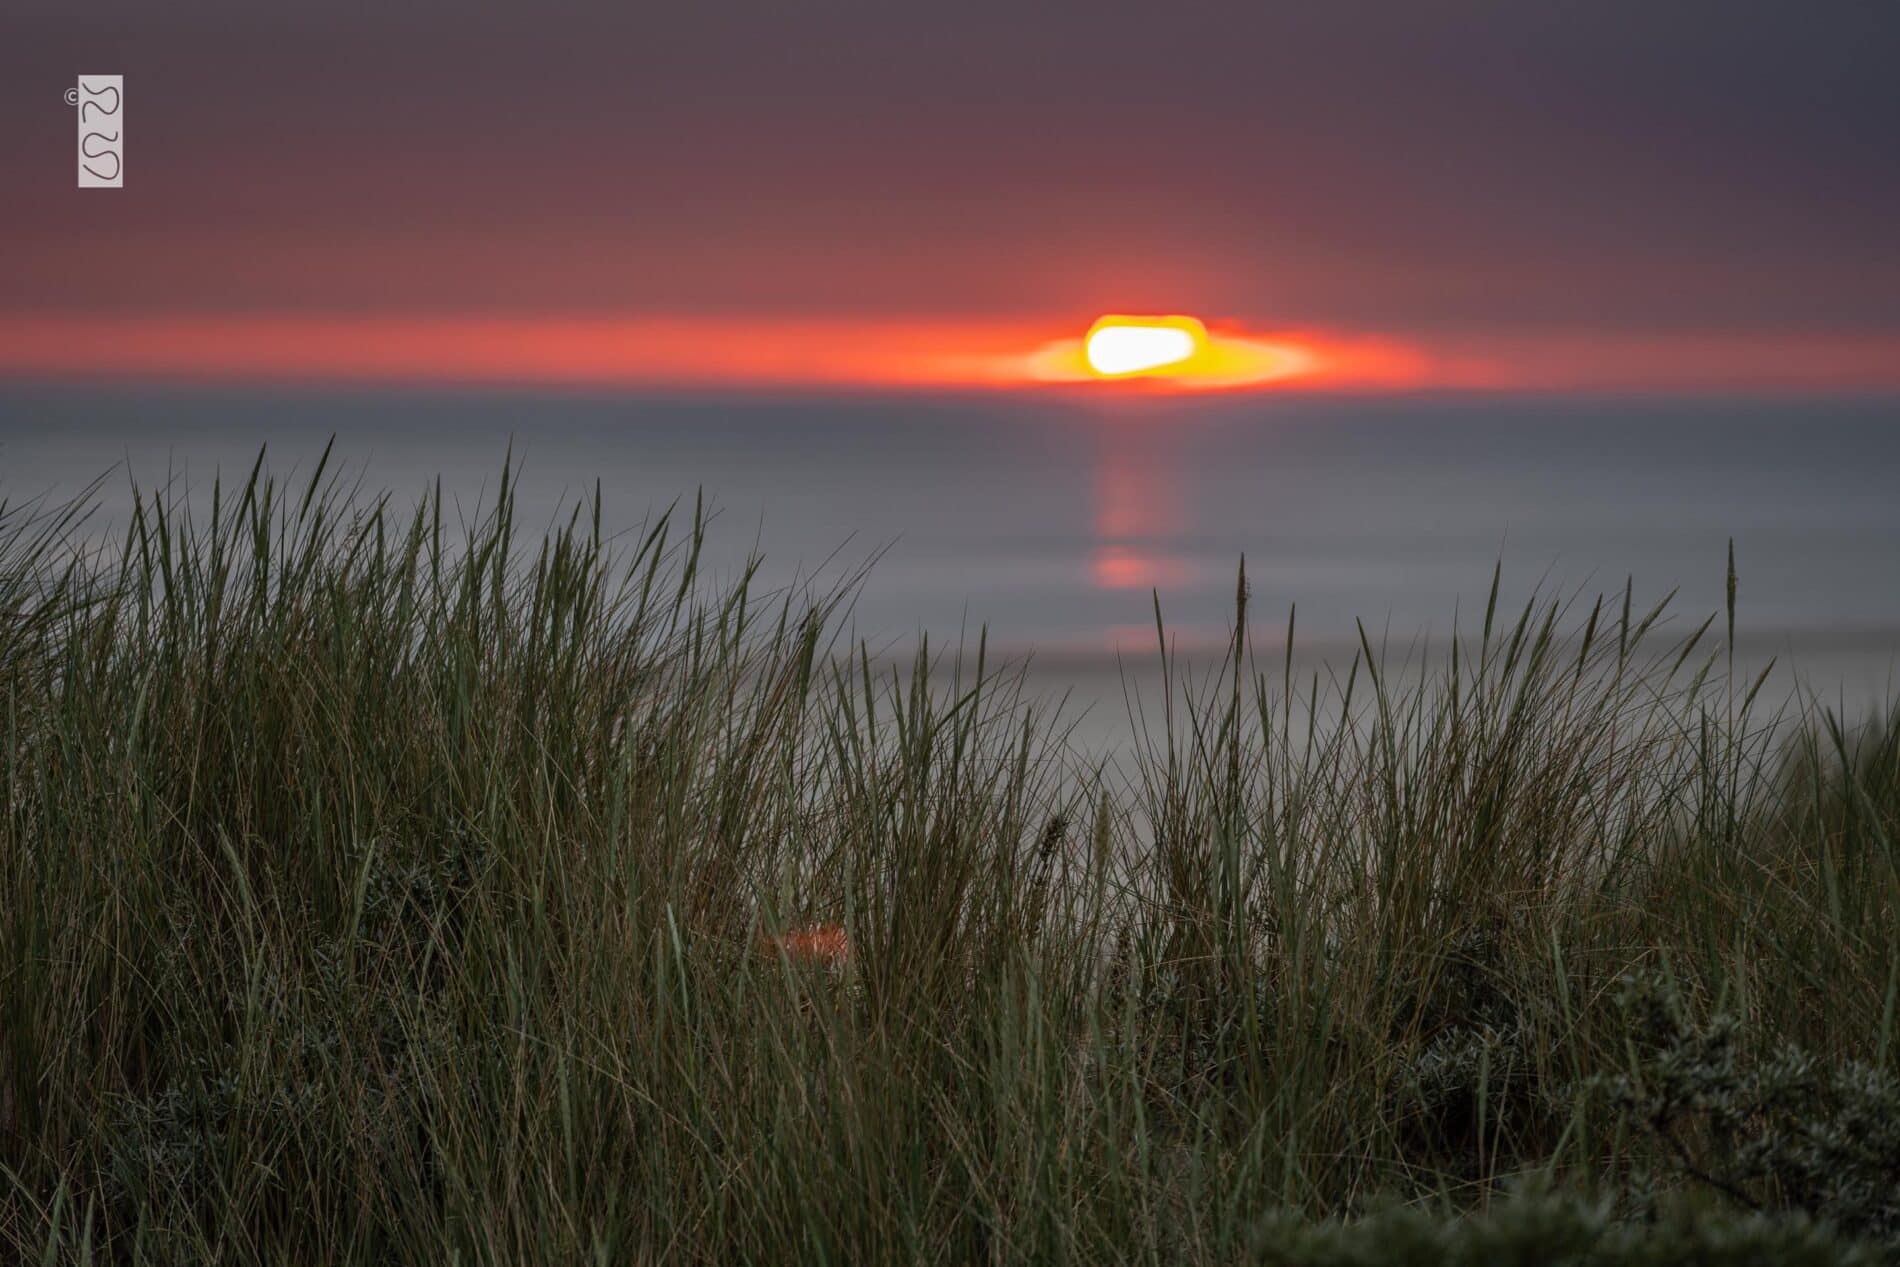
<point x="379" y="885"/>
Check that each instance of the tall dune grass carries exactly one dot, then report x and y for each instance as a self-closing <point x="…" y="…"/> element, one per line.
<point x="389" y="887"/>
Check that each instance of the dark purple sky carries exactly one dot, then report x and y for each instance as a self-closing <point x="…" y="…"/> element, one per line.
<point x="1418" y="166"/>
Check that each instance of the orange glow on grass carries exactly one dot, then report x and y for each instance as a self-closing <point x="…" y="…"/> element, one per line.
<point x="822" y="944"/>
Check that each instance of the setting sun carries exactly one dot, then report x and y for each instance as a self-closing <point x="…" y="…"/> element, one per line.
<point x="1176" y="352"/>
<point x="1120" y="346"/>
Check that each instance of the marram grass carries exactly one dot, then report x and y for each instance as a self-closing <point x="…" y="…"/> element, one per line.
<point x="389" y="887"/>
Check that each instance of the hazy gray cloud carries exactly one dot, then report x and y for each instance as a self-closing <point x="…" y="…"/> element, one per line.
<point x="1419" y="163"/>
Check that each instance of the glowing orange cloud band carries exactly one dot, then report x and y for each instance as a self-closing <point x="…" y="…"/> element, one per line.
<point x="767" y="354"/>
<point x="695" y="352"/>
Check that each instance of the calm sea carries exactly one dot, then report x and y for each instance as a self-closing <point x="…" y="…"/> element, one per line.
<point x="1051" y="520"/>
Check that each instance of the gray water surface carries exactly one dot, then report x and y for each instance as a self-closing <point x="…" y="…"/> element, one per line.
<point x="1051" y="519"/>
